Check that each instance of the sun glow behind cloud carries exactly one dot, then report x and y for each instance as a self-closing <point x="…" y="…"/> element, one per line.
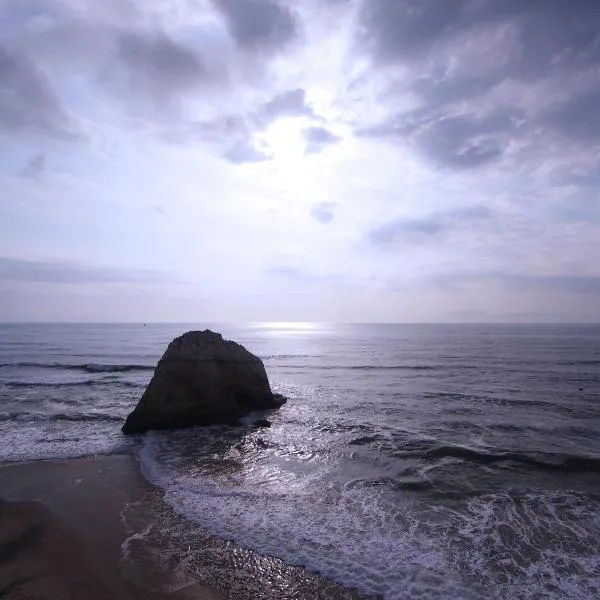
<point x="284" y="141"/>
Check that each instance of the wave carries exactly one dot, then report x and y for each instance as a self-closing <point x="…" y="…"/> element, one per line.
<point x="395" y="484"/>
<point x="362" y="441"/>
<point x="579" y="363"/>
<point x="55" y="384"/>
<point x="86" y="368"/>
<point x="423" y="367"/>
<point x="568" y="463"/>
<point x="467" y="400"/>
<point x="505" y="368"/>
<point x="375" y="367"/>
<point x="288" y="356"/>
<point x="70" y="417"/>
<point x="115" y="368"/>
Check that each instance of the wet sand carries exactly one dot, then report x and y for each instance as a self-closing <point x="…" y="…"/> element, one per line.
<point x="63" y="530"/>
<point x="95" y="528"/>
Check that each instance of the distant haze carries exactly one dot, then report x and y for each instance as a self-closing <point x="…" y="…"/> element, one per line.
<point x="323" y="160"/>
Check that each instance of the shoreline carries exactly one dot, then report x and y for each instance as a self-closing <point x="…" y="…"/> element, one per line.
<point x="136" y="542"/>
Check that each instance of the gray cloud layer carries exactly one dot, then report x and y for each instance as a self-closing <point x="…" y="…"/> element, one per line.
<point x="27" y="100"/>
<point x="579" y="285"/>
<point x="259" y="24"/>
<point x="287" y="104"/>
<point x="34" y="271"/>
<point x="318" y="138"/>
<point x="410" y="230"/>
<point x="155" y="64"/>
<point x="491" y="78"/>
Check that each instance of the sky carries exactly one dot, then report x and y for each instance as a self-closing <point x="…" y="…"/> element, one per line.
<point x="300" y="160"/>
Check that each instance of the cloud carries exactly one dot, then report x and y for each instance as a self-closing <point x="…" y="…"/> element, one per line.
<point x="38" y="271"/>
<point x="402" y="28"/>
<point x="318" y="138"/>
<point x="245" y="151"/>
<point x="234" y="136"/>
<point x="156" y="66"/>
<point x="288" y="104"/>
<point x="578" y="117"/>
<point x="408" y="29"/>
<point x="35" y="167"/>
<point x="459" y="141"/>
<point x="416" y="230"/>
<point x="475" y="146"/>
<point x="572" y="284"/>
<point x="580" y="285"/>
<point x="485" y="82"/>
<point x="27" y="100"/>
<point x="258" y="24"/>
<point x="323" y="212"/>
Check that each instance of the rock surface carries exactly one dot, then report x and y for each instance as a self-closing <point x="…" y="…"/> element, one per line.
<point x="202" y="379"/>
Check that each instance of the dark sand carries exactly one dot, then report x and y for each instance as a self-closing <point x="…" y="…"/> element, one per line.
<point x="98" y="530"/>
<point x="64" y="537"/>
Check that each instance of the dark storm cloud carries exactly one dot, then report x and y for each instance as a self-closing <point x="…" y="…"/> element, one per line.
<point x="458" y="53"/>
<point x="318" y="138"/>
<point x="157" y="64"/>
<point x="34" y="271"/>
<point x="323" y="212"/>
<point x="34" y="167"/>
<point x="258" y="24"/>
<point x="416" y="230"/>
<point x="27" y="100"/>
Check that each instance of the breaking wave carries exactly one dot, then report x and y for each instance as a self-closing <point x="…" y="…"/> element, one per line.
<point x="86" y="368"/>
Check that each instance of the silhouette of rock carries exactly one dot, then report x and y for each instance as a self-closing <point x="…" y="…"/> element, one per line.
<point x="202" y="379"/>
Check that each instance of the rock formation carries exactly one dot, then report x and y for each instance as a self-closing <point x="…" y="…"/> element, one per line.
<point x="202" y="379"/>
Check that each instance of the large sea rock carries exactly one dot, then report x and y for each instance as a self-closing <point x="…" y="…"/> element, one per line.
<point x="202" y="379"/>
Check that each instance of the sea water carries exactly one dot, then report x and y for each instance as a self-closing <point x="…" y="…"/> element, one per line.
<point x="411" y="461"/>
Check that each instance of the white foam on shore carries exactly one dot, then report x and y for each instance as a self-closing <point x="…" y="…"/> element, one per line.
<point x="376" y="539"/>
<point x="45" y="439"/>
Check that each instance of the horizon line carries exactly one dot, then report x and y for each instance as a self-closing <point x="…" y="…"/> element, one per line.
<point x="298" y="322"/>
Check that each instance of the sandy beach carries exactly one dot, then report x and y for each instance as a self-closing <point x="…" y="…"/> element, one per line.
<point x="94" y="528"/>
<point x="64" y="531"/>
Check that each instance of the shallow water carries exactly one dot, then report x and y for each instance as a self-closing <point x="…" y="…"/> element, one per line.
<point x="411" y="461"/>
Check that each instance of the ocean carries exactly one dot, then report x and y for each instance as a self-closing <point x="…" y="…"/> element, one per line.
<point x="411" y="461"/>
